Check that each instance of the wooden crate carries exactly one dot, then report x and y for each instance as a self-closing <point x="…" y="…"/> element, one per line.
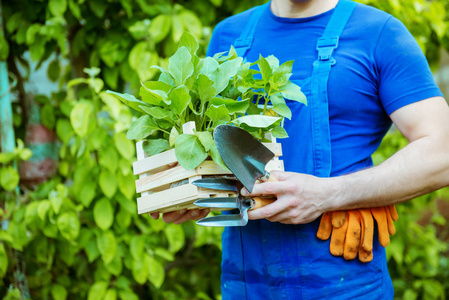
<point x="165" y="189"/>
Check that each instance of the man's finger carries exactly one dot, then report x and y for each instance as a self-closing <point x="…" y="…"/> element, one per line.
<point x="268" y="211"/>
<point x="173" y="216"/>
<point x="154" y="215"/>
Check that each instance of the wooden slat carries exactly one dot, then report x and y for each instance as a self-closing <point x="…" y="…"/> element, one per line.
<point x="275" y="165"/>
<point x="276" y="148"/>
<point x="176" y="174"/>
<point x="155" y="163"/>
<point x="168" y="198"/>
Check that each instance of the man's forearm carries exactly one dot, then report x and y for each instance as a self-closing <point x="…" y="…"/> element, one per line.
<point x="419" y="168"/>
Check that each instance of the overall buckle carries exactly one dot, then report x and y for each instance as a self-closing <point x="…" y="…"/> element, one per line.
<point x="325" y="47"/>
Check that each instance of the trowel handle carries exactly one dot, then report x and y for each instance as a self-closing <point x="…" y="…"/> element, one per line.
<point x="259" y="202"/>
<point x="262" y="201"/>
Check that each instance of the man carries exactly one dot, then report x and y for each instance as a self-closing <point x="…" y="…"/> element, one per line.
<point x="361" y="70"/>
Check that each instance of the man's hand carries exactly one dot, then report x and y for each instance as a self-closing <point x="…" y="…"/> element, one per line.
<point x="300" y="198"/>
<point x="181" y="216"/>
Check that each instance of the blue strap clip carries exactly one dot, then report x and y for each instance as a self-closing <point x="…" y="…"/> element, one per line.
<point x="325" y="47"/>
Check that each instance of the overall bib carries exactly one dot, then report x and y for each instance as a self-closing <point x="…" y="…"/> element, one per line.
<point x="265" y="260"/>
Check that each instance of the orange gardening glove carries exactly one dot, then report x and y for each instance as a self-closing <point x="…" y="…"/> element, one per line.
<point x="353" y="230"/>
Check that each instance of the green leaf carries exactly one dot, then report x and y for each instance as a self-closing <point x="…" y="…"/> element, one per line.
<point x="180" y="99"/>
<point x="140" y="269"/>
<point x="18" y="232"/>
<point x="160" y="27"/>
<point x="9" y="178"/>
<point x="4" y="236"/>
<point x="54" y="70"/>
<point x="224" y="72"/>
<point x="69" y="225"/>
<point x="209" y="65"/>
<point x="129" y="100"/>
<point x="86" y="194"/>
<point x="128" y="295"/>
<point x="206" y="139"/>
<point x="141" y="58"/>
<point x="279" y="132"/>
<point x="175" y="237"/>
<point x="111" y="294"/>
<point x="125" y="147"/>
<point x="48" y="116"/>
<point x="57" y="7"/>
<point x="282" y="74"/>
<point x="141" y="128"/>
<point x="56" y="201"/>
<point x="205" y="88"/>
<point x="280" y="107"/>
<point x="58" y="292"/>
<point x="180" y="65"/>
<point x="265" y="69"/>
<point x="126" y="185"/>
<point x="107" y="245"/>
<point x="81" y="118"/>
<point x="152" y="147"/>
<point x="108" y="158"/>
<point x="189" y="151"/>
<point x="115" y="267"/>
<point x="31" y="213"/>
<point x="192" y="23"/>
<point x="257" y="121"/>
<point x="92" y="250"/>
<point x="154" y="92"/>
<point x="156" y="112"/>
<point x="177" y="28"/>
<point x="217" y="113"/>
<point x="216" y="157"/>
<point x="173" y="135"/>
<point x="104" y="213"/>
<point x="293" y="92"/>
<point x="272" y="61"/>
<point x="43" y="208"/>
<point x="189" y="41"/>
<point x="13" y="22"/>
<point x="97" y="290"/>
<point x="3" y="261"/>
<point x="156" y="272"/>
<point x="6" y="157"/>
<point x="137" y="246"/>
<point x="108" y="183"/>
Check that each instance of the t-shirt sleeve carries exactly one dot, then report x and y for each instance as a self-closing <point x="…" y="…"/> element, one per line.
<point x="404" y="76"/>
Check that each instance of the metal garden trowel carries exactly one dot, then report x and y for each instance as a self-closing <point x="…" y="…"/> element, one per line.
<point x="246" y="157"/>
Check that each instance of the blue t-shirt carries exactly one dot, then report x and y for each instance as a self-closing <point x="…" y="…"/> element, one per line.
<point x="379" y="69"/>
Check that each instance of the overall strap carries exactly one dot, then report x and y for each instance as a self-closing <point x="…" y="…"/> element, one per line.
<point x="243" y="43"/>
<point x="320" y="76"/>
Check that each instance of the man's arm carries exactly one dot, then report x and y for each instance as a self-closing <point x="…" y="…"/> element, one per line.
<point x="419" y="168"/>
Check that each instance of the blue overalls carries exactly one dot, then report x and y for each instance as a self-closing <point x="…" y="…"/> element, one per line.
<point x="266" y="260"/>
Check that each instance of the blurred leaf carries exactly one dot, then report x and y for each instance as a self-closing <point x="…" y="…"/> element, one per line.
<point x="82" y="118"/>
<point x="107" y="245"/>
<point x="58" y="292"/>
<point x="69" y="225"/>
<point x="160" y="27"/>
<point x="104" y="213"/>
<point x="97" y="290"/>
<point x="9" y="178"/>
<point x="57" y="7"/>
<point x="3" y="261"/>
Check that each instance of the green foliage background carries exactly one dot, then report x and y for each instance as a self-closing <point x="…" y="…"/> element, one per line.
<point x="77" y="235"/>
